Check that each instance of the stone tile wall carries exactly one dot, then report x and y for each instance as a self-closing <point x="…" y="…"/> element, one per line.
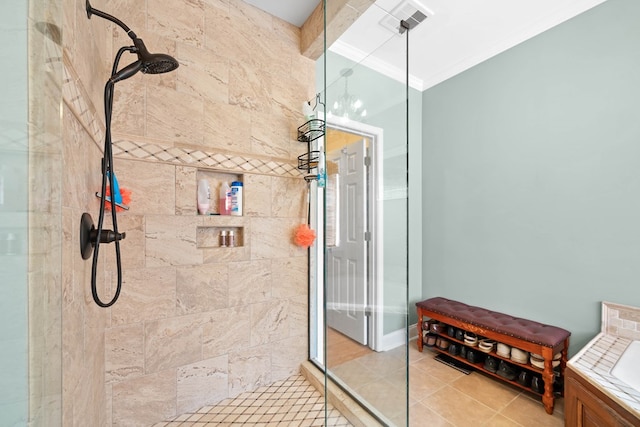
<point x="195" y="323"/>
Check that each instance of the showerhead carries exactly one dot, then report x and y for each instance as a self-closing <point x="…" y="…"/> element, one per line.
<point x="154" y="63"/>
<point x="148" y="63"/>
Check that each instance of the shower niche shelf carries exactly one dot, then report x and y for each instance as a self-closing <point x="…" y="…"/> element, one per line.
<point x="209" y="236"/>
<point x="208" y="240"/>
<point x="215" y="179"/>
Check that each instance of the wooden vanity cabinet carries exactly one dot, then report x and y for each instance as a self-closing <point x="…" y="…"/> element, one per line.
<point x="586" y="406"/>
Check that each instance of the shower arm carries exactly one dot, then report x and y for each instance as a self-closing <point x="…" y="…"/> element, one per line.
<point x="92" y="11"/>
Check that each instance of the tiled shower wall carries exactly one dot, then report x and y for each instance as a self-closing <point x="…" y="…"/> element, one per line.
<point x="193" y="324"/>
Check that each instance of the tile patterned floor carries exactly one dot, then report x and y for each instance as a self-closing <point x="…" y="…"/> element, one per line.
<point x="439" y="396"/>
<point x="292" y="402"/>
<point x="447" y="397"/>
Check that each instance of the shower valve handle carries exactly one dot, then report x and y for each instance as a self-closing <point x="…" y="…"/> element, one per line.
<point x="89" y="236"/>
<point x="108" y="236"/>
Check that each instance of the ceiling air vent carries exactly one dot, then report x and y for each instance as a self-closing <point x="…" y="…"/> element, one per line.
<point x="410" y="11"/>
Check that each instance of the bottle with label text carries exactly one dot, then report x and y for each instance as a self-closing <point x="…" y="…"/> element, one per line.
<point x="236" y="198"/>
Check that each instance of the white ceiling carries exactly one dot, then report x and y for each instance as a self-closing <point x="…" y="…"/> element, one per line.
<point x="457" y="34"/>
<point x="292" y="11"/>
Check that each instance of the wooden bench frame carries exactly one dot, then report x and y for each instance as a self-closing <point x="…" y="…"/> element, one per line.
<point x="548" y="398"/>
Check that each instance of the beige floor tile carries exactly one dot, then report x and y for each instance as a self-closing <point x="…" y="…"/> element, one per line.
<point x="386" y="398"/>
<point x="399" y="352"/>
<point x="438" y="370"/>
<point x="355" y="374"/>
<point x="414" y="354"/>
<point x="427" y="359"/>
<point x="422" y="384"/>
<point x="420" y="416"/>
<point x="398" y="378"/>
<point x="458" y="408"/>
<point x="382" y="363"/>
<point x="492" y="393"/>
<point x="558" y="406"/>
<point x="530" y="413"/>
<point x="501" y="421"/>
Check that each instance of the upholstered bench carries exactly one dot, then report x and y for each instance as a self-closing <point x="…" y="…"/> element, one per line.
<point x="527" y="335"/>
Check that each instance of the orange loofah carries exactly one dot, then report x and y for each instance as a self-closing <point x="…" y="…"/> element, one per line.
<point x="126" y="199"/>
<point x="304" y="236"/>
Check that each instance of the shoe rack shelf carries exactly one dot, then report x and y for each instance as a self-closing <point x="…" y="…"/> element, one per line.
<point x="479" y="366"/>
<point x="549" y="342"/>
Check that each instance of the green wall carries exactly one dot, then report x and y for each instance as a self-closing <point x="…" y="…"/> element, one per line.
<point x="531" y="178"/>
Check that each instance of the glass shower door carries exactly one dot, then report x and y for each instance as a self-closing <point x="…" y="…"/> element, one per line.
<point x="359" y="268"/>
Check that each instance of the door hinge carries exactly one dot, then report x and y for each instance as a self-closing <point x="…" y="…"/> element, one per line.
<point x="367" y="236"/>
<point x="367" y="161"/>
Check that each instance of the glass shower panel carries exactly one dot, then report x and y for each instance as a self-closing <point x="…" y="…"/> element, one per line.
<point x="45" y="238"/>
<point x="360" y="273"/>
<point x="14" y="219"/>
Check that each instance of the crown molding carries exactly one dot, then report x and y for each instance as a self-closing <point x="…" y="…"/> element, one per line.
<point x="354" y="54"/>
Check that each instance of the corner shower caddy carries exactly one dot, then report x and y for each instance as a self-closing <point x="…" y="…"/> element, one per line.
<point x="309" y="132"/>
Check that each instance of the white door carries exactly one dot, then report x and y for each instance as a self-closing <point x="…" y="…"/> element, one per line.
<point x="347" y="257"/>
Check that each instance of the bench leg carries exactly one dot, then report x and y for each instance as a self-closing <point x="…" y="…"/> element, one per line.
<point x="547" y="376"/>
<point x="419" y="326"/>
<point x="563" y="360"/>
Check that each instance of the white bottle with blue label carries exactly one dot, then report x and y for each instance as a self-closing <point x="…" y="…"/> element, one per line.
<point x="236" y="198"/>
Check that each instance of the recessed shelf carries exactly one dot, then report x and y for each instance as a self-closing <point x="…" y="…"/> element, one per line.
<point x="215" y="179"/>
<point x="210" y="236"/>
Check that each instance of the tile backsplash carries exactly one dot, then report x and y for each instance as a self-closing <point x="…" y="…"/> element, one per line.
<point x="621" y="320"/>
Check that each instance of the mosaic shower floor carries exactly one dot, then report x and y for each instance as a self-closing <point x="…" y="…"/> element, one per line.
<point x="291" y="402"/>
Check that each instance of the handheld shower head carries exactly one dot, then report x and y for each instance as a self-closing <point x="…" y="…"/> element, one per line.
<point x="154" y="63"/>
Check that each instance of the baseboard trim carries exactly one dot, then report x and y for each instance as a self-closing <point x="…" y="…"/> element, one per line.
<point x="397" y="338"/>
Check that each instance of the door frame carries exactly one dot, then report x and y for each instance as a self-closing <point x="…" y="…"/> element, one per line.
<point x="347" y="287"/>
<point x="376" y="244"/>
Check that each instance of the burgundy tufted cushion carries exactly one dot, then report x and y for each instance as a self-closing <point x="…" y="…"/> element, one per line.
<point x="527" y="330"/>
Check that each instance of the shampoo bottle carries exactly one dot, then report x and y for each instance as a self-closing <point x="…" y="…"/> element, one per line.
<point x="236" y="198"/>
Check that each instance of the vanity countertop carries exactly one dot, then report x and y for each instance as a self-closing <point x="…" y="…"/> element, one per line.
<point x="596" y="361"/>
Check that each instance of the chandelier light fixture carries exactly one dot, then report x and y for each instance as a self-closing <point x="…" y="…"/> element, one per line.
<point x="347" y="106"/>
